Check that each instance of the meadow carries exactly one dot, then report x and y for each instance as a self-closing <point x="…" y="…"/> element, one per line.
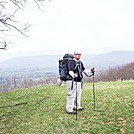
<point x="41" y="110"/>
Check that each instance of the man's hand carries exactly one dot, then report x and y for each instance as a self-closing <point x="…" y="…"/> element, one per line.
<point x="89" y="73"/>
<point x="75" y="75"/>
<point x="92" y="70"/>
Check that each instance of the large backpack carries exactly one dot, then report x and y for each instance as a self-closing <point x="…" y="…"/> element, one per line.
<point x="63" y="66"/>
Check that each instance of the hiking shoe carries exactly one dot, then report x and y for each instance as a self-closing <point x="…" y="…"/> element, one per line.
<point x="79" y="109"/>
<point x="71" y="112"/>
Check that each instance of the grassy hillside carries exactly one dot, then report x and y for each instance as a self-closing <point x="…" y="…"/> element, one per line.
<point x="41" y="110"/>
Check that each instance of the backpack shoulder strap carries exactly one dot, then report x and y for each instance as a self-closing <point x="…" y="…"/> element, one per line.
<point x="77" y="64"/>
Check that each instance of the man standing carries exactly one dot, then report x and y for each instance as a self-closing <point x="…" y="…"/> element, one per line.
<point x="75" y="68"/>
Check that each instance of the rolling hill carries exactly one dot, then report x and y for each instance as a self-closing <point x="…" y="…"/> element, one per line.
<point x="100" y="61"/>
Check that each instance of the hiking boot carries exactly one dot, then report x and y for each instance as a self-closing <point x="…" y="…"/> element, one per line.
<point x="71" y="112"/>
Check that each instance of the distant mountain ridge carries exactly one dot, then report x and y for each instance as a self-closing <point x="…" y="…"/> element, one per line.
<point x="100" y="61"/>
<point x="112" y="59"/>
<point x="30" y="61"/>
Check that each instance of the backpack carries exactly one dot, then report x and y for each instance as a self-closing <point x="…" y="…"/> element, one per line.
<point x="63" y="66"/>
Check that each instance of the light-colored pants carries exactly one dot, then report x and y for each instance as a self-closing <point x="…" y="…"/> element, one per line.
<point x="71" y="95"/>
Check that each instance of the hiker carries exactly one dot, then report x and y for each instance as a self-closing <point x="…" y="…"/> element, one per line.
<point x="75" y="68"/>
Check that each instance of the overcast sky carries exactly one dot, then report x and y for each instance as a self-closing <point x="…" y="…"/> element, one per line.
<point x="90" y="26"/>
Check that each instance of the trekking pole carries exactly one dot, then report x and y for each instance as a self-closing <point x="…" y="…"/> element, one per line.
<point x="93" y="71"/>
<point x="76" y="99"/>
<point x="93" y="91"/>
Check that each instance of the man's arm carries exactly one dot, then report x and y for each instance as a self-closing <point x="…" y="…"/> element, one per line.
<point x="71" y="66"/>
<point x="89" y="73"/>
<point x="74" y="75"/>
<point x="85" y="73"/>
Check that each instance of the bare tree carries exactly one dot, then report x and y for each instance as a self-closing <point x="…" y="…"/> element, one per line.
<point x="123" y="72"/>
<point x="7" y="19"/>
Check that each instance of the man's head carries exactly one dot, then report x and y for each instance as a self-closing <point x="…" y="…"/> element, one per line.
<point x="77" y="55"/>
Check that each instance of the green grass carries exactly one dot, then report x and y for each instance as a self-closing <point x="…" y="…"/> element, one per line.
<point x="41" y="110"/>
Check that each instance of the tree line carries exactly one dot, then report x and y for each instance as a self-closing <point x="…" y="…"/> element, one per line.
<point x="18" y="83"/>
<point x="124" y="72"/>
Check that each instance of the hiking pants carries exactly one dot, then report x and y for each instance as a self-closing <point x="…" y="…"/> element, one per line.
<point x="71" y="95"/>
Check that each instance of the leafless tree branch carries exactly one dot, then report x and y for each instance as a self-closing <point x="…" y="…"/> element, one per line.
<point x="4" y="46"/>
<point x="7" y="22"/>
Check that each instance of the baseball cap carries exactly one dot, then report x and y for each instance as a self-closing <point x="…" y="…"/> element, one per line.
<point x="76" y="52"/>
